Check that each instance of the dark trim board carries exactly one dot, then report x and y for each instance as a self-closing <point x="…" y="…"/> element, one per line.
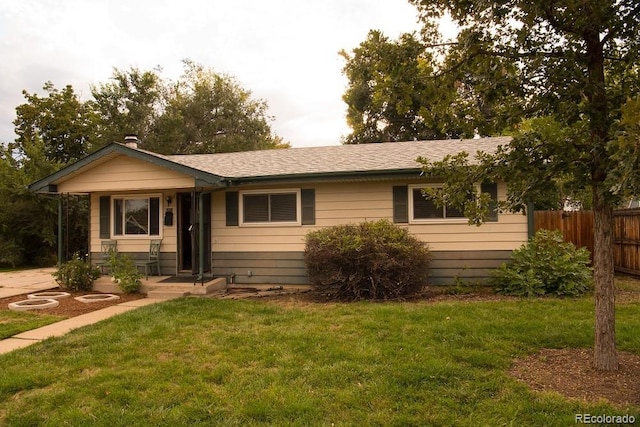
<point x="289" y="267"/>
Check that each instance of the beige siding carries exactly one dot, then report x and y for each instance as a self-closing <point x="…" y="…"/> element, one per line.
<point x="135" y="244"/>
<point x="340" y="203"/>
<point x="124" y="173"/>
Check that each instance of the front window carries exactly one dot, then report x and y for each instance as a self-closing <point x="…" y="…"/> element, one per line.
<point x="271" y="207"/>
<point x="423" y="208"/>
<point x="136" y="216"/>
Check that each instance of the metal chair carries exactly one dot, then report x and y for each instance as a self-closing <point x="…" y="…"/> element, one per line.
<point x="107" y="248"/>
<point x="154" y="259"/>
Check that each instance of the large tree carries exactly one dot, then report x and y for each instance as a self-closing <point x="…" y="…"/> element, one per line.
<point x="27" y="220"/>
<point x="130" y="103"/>
<point x="200" y="112"/>
<point x="64" y="123"/>
<point x="415" y="89"/>
<point x="578" y="61"/>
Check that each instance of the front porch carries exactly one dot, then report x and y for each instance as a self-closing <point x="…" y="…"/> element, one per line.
<point x="154" y="287"/>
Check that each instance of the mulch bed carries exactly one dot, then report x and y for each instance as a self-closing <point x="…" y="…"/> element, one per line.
<point x="69" y="307"/>
<point x="570" y="372"/>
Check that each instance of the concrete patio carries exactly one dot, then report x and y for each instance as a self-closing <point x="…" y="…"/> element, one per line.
<point x="21" y="282"/>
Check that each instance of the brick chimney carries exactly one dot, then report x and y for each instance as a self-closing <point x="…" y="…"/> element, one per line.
<point x="131" y="141"/>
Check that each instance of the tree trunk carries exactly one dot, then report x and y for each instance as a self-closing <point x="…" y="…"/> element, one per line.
<point x="605" y="355"/>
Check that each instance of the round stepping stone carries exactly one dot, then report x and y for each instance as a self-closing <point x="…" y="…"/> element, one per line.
<point x="97" y="298"/>
<point x="33" y="304"/>
<point x="49" y="295"/>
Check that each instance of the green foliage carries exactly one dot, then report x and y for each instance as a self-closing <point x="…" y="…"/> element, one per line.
<point x="77" y="274"/>
<point x="27" y="220"/>
<point x="545" y="266"/>
<point x="202" y="112"/>
<point x="397" y="92"/>
<point x="572" y="79"/>
<point x="625" y="180"/>
<point x="65" y="124"/>
<point x="124" y="272"/>
<point x="460" y="177"/>
<point x="371" y="260"/>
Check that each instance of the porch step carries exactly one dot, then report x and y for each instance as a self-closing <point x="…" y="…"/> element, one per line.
<point x="154" y="288"/>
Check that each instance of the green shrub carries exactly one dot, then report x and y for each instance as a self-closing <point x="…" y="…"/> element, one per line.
<point x="371" y="260"/>
<point x="11" y="253"/>
<point x="545" y="266"/>
<point x="77" y="274"/>
<point x="124" y="272"/>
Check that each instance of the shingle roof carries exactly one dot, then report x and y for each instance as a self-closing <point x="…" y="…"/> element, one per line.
<point x="391" y="156"/>
<point x="330" y="162"/>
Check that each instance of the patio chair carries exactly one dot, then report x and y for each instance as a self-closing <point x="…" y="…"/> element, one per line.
<point x="107" y="247"/>
<point x="154" y="259"/>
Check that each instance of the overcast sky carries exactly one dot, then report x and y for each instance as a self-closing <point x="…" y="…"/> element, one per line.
<point x="283" y="51"/>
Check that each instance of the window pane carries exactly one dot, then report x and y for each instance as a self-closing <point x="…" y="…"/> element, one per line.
<point x="284" y="207"/>
<point x="454" y="213"/>
<point x="117" y="216"/>
<point x="424" y="208"/>
<point x="136" y="213"/>
<point x="255" y="207"/>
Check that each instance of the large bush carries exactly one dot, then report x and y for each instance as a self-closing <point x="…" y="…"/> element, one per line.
<point x="545" y="265"/>
<point x="77" y="274"/>
<point x="371" y="260"/>
<point x="125" y="272"/>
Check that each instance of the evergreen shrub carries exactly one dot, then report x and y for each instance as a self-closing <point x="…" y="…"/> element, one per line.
<point x="545" y="265"/>
<point x="370" y="260"/>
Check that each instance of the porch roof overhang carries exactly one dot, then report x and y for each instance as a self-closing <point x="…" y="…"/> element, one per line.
<point x="49" y="184"/>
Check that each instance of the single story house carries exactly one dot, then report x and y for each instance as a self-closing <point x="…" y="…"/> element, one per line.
<point x="245" y="215"/>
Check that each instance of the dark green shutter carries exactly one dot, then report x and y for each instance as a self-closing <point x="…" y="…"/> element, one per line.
<point x="231" y="206"/>
<point x="105" y="208"/>
<point x="308" y="196"/>
<point x="492" y="189"/>
<point x="401" y="204"/>
<point x="154" y="216"/>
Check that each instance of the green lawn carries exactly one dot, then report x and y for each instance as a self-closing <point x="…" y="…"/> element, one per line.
<point x="219" y="362"/>
<point x="14" y="322"/>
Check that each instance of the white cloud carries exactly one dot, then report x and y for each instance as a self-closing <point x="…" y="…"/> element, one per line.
<point x="284" y="51"/>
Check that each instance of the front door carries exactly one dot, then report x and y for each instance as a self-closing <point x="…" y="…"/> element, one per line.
<point x="189" y="231"/>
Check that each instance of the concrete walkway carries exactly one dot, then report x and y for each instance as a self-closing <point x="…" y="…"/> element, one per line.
<point x="29" y="281"/>
<point x="20" y="282"/>
<point x="58" y="329"/>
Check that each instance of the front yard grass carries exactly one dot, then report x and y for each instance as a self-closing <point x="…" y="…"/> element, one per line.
<point x="15" y="322"/>
<point x="219" y="362"/>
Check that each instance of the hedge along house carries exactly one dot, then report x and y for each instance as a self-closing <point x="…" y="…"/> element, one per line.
<point x="245" y="215"/>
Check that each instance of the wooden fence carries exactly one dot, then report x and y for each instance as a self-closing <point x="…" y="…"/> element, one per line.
<point x="577" y="227"/>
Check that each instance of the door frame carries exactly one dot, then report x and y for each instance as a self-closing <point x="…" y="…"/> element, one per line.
<point x="188" y="223"/>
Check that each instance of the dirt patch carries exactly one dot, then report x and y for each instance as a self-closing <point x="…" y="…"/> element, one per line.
<point x="570" y="372"/>
<point x="69" y="307"/>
